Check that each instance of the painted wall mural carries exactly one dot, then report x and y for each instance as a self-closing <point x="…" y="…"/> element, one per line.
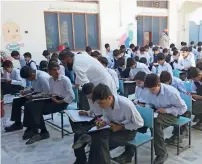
<point x="12" y="36"/>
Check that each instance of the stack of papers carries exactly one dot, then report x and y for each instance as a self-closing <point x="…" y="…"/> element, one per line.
<point x="75" y="117"/>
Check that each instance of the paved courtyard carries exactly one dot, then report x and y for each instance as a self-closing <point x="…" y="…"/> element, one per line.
<point x="58" y="151"/>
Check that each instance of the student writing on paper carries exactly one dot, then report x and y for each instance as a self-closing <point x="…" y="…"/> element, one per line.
<point x="121" y="114"/>
<point x="61" y="89"/>
<point x="87" y="69"/>
<point x="196" y="75"/>
<point x="80" y="128"/>
<point x="15" y="83"/>
<point x="166" y="99"/>
<point x="40" y="83"/>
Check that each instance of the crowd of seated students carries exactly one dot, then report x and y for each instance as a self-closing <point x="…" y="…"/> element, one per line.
<point x="151" y="67"/>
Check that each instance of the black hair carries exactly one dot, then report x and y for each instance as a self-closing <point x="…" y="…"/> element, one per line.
<point x="172" y="45"/>
<point x="54" y="55"/>
<point x="103" y="60"/>
<point x="174" y="49"/>
<point x="186" y="49"/>
<point x="107" y="45"/>
<point x="151" y="80"/>
<point x="192" y="72"/>
<point x="168" y="58"/>
<point x="101" y="92"/>
<point x="52" y="65"/>
<point x="160" y="56"/>
<point x="27" y="54"/>
<point x="53" y="60"/>
<point x="136" y="58"/>
<point x="15" y="53"/>
<point x="175" y="53"/>
<point x="79" y="53"/>
<point x="132" y="46"/>
<point x="155" y="49"/>
<point x="185" y="43"/>
<point x="199" y="65"/>
<point x="143" y="60"/>
<point x="7" y="64"/>
<point x="122" y="47"/>
<point x="26" y="71"/>
<point x="43" y="65"/>
<point x="121" y="62"/>
<point x="199" y="44"/>
<point x="151" y="44"/>
<point x="182" y="43"/>
<point x="146" y="47"/>
<point x="116" y="53"/>
<point x="140" y="76"/>
<point x="46" y="53"/>
<point x="142" y="49"/>
<point x="65" y="54"/>
<point x="122" y="51"/>
<point x="88" y="88"/>
<point x="165" y="77"/>
<point x="192" y="42"/>
<point x="199" y="49"/>
<point x="95" y="54"/>
<point x="88" y="49"/>
<point x="165" y="50"/>
<point x="130" y="62"/>
<point x="190" y="49"/>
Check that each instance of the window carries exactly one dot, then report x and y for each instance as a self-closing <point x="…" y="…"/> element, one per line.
<point x="152" y="4"/>
<point x="75" y="30"/>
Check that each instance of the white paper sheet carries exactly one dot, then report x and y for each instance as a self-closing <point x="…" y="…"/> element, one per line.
<point x="75" y="117"/>
<point x="96" y="129"/>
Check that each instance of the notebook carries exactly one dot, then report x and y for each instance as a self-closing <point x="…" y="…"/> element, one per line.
<point x="95" y="128"/>
<point x="75" y="117"/>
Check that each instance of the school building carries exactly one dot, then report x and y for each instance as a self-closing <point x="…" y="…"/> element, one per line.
<point x="38" y="25"/>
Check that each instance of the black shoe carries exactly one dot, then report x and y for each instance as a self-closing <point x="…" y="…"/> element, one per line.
<point x="14" y="127"/>
<point x="45" y="135"/>
<point x="27" y="134"/>
<point x="173" y="140"/>
<point x="80" y="162"/>
<point x="124" y="159"/>
<point x="160" y="159"/>
<point x="84" y="139"/>
<point x="118" y="158"/>
<point x="33" y="139"/>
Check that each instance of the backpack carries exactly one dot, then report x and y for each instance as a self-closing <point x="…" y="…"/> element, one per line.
<point x="29" y="64"/>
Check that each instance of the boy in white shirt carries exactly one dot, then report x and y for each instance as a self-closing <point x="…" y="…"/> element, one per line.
<point x="16" y="55"/>
<point x="144" y="54"/>
<point x="163" y="65"/>
<point x="29" y="61"/>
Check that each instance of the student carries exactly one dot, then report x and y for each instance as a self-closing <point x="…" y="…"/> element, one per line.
<point x="43" y="66"/>
<point x="163" y="65"/>
<point x="175" y="61"/>
<point x="199" y="54"/>
<point x="46" y="54"/>
<point x="15" y="83"/>
<point x="156" y="52"/>
<point x="55" y="56"/>
<point x="165" y="51"/>
<point x="116" y="56"/>
<point x="83" y="127"/>
<point x="168" y="103"/>
<point x="16" y="55"/>
<point x="124" y="119"/>
<point x="121" y="69"/>
<point x="172" y="46"/>
<point x="131" y="51"/>
<point x="165" y="77"/>
<point x="29" y="62"/>
<point x="187" y="60"/>
<point x="104" y="62"/>
<point x="196" y="75"/>
<point x="96" y="54"/>
<point x="140" y="91"/>
<point x="192" y="44"/>
<point x="144" y="54"/>
<point x="62" y="92"/>
<point x="137" y="51"/>
<point x="147" y="50"/>
<point x="39" y="84"/>
<point x="87" y="69"/>
<point x="143" y="60"/>
<point x="62" y="68"/>
<point x="136" y="67"/>
<point x="151" y="45"/>
<point x="88" y="50"/>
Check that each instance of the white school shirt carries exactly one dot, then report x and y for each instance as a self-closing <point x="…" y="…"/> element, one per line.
<point x="178" y="66"/>
<point x="32" y="65"/>
<point x="188" y="62"/>
<point x="95" y="109"/>
<point x="178" y="84"/>
<point x="62" y="70"/>
<point x="139" y="67"/>
<point x="22" y="61"/>
<point x="124" y="112"/>
<point x="165" y="67"/>
<point x="168" y="99"/>
<point x="194" y="88"/>
<point x="140" y="94"/>
<point x="16" y="78"/>
<point x="145" y="55"/>
<point x="41" y="82"/>
<point x="88" y="69"/>
<point x="114" y="76"/>
<point x="62" y="87"/>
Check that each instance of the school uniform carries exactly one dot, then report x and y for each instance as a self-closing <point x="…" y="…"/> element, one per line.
<point x="165" y="67"/>
<point x="145" y="55"/>
<point x="169" y="99"/>
<point x="178" y="84"/>
<point x="62" y="88"/>
<point x="139" y="67"/>
<point x="22" y="61"/>
<point x="188" y="62"/>
<point x="32" y="64"/>
<point x="62" y="70"/>
<point x="40" y="84"/>
<point x="17" y="83"/>
<point x="140" y="94"/>
<point x="123" y="113"/>
<point x="114" y="76"/>
<point x="88" y="69"/>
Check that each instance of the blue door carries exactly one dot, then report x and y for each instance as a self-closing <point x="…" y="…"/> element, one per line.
<point x="195" y="32"/>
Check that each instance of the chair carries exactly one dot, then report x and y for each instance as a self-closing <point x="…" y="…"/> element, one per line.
<point x="141" y="139"/>
<point x="183" y="121"/>
<point x="188" y="86"/>
<point x="176" y="73"/>
<point x="121" y="87"/>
